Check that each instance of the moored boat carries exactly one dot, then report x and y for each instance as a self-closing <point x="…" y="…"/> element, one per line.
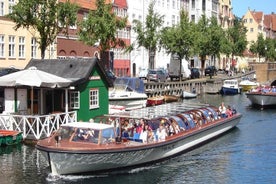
<point x="247" y="85"/>
<point x="156" y="100"/>
<point x="230" y="87"/>
<point x="10" y="137"/>
<point x="187" y="95"/>
<point x="129" y="92"/>
<point x="118" y="142"/>
<point x="170" y="98"/>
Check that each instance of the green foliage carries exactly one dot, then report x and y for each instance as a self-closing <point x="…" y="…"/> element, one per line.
<point x="101" y="26"/>
<point x="48" y="18"/>
<point x="236" y="37"/>
<point x="179" y="39"/>
<point x="148" y="35"/>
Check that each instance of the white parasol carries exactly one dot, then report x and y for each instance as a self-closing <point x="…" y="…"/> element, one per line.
<point x="34" y="78"/>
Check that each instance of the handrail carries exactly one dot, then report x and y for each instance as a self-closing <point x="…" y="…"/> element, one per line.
<point x="36" y="126"/>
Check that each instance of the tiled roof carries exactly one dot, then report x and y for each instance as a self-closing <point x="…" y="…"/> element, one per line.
<point x="120" y="3"/>
<point x="87" y="4"/>
<point x="270" y="21"/>
<point x="257" y="16"/>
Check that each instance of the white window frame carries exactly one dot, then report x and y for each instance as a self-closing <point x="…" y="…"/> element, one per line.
<point x="21" y="47"/>
<point x="2" y="8"/>
<point x="94" y="98"/>
<point x="33" y="47"/>
<point x="74" y="97"/>
<point x="2" y="46"/>
<point x="11" y="46"/>
<point x="11" y="4"/>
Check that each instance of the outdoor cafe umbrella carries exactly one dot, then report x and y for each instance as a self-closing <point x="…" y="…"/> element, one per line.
<point x="34" y="78"/>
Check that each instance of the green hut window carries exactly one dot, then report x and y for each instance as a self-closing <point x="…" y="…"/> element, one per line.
<point x="94" y="98"/>
<point x="75" y="99"/>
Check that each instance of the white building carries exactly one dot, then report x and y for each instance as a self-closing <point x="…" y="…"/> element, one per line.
<point x="170" y="9"/>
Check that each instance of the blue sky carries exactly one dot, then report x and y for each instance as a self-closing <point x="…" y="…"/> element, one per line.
<point x="240" y="7"/>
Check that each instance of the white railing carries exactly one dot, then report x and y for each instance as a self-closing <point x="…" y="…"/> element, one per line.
<point x="36" y="126"/>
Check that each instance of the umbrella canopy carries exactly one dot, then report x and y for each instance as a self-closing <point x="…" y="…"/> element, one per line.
<point x="34" y="78"/>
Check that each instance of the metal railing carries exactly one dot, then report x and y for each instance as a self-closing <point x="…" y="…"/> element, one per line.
<point x="36" y="126"/>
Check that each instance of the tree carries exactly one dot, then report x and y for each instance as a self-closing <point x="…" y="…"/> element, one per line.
<point x="101" y="26"/>
<point x="178" y="40"/>
<point x="271" y="49"/>
<point x="48" y="18"/>
<point x="236" y="37"/>
<point x="148" y="35"/>
<point x="216" y="34"/>
<point x="202" y="40"/>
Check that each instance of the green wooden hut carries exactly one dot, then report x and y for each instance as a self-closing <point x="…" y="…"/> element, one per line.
<point x="88" y="92"/>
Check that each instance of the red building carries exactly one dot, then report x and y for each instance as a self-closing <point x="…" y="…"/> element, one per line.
<point x="116" y="59"/>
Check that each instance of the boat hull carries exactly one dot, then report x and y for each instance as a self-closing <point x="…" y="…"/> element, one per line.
<point x="10" y="137"/>
<point x="262" y="99"/>
<point x="230" y="91"/>
<point x="68" y="162"/>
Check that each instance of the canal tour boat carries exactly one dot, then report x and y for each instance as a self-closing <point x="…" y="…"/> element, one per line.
<point x="263" y="96"/>
<point x="115" y="142"/>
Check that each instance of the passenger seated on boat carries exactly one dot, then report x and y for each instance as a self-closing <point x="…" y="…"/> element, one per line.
<point x="222" y="110"/>
<point x="161" y="132"/>
<point x="88" y="134"/>
<point x="229" y="111"/>
<point x="175" y="127"/>
<point x="273" y="89"/>
<point x="140" y="127"/>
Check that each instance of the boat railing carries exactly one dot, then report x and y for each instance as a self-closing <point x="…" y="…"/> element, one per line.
<point x="36" y="126"/>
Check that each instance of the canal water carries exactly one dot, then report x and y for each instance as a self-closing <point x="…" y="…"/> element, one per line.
<point x="247" y="154"/>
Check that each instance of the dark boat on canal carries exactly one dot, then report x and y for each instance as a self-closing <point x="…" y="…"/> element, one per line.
<point x="116" y="141"/>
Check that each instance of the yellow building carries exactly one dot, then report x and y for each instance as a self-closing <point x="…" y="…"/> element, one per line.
<point x="254" y="23"/>
<point x="17" y="47"/>
<point x="226" y="16"/>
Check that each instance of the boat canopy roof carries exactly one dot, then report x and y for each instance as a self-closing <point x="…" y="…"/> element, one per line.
<point x="168" y="109"/>
<point x="129" y="83"/>
<point x="88" y="125"/>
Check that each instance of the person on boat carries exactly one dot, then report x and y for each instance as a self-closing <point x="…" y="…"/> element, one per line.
<point x="273" y="89"/>
<point x="140" y="127"/>
<point x="229" y="112"/>
<point x="222" y="110"/>
<point x="88" y="134"/>
<point x="161" y="132"/>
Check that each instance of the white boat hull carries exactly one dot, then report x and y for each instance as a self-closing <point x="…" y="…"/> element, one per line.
<point x="67" y="162"/>
<point x="189" y="95"/>
<point x="262" y="99"/>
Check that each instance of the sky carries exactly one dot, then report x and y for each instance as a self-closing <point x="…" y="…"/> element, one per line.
<point x="240" y="7"/>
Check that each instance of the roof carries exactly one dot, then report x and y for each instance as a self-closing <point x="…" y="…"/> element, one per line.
<point x="270" y="21"/>
<point x="78" y="70"/>
<point x="258" y="16"/>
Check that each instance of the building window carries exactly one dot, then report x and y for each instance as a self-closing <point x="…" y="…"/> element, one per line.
<point x="74" y="99"/>
<point x="33" y="48"/>
<point x="251" y="30"/>
<point x="11" y="46"/>
<point x="1" y="8"/>
<point x="11" y="4"/>
<point x="2" y="46"/>
<point x="193" y="4"/>
<point x="21" y="47"/>
<point x="93" y="98"/>
<point x="250" y="20"/>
